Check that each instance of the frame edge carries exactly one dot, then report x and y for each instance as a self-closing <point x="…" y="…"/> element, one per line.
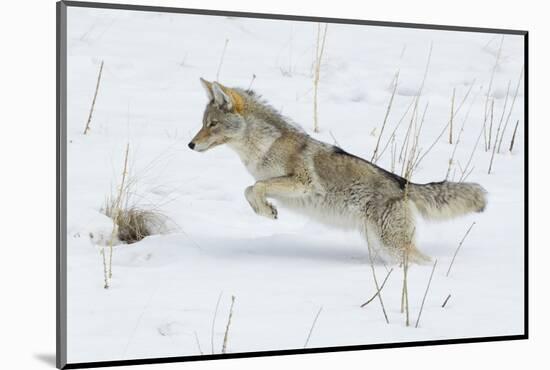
<point x="61" y="217"/>
<point x="61" y="214"/>
<point x="288" y="17"/>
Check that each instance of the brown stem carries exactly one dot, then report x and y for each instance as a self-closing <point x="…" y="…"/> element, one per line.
<point x="87" y="128"/>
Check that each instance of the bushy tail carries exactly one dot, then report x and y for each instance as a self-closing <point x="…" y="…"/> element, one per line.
<point x="444" y="200"/>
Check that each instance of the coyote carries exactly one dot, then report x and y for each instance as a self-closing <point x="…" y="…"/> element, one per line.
<point x="323" y="181"/>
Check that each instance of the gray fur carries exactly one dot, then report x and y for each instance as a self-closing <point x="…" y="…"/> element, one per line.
<point x="322" y="181"/>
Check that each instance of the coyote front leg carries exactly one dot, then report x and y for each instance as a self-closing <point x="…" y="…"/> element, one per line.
<point x="285" y="186"/>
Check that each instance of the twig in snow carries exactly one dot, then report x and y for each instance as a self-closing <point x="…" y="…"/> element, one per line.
<point x="226" y="335"/>
<point x="425" y="294"/>
<point x="426" y="70"/>
<point x="462" y="177"/>
<point x="514" y="136"/>
<point x="511" y="108"/>
<point x="214" y="322"/>
<point x="392" y="135"/>
<point x="378" y="288"/>
<point x="405" y="145"/>
<point x="221" y="60"/>
<point x="491" y="124"/>
<point x="108" y="274"/>
<point x="334" y="139"/>
<point x="378" y="291"/>
<point x="489" y="91"/>
<point x="318" y="57"/>
<point x="393" y="152"/>
<point x="451" y="159"/>
<point x="452" y="116"/>
<point x="447" y="125"/>
<point x="313" y="326"/>
<point x="87" y="128"/>
<point x="498" y="129"/>
<point x="414" y="155"/>
<point x="418" y="94"/>
<point x="198" y="343"/>
<point x="445" y="302"/>
<point x="373" y="159"/>
<point x="458" y="248"/>
<point x="105" y="269"/>
<point x="251" y="81"/>
<point x="405" y="292"/>
<point x="465" y="177"/>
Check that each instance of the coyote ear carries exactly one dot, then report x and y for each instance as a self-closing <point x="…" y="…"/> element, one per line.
<point x="221" y="97"/>
<point x="226" y="98"/>
<point x="208" y="88"/>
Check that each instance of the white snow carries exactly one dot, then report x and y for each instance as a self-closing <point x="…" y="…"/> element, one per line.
<point x="165" y="287"/>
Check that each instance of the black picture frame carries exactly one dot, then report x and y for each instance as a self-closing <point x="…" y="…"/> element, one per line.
<point x="61" y="189"/>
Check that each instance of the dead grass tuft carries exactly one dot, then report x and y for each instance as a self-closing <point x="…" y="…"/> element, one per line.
<point x="133" y="223"/>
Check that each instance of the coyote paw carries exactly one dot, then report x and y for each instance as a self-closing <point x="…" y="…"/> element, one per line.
<point x="270" y="211"/>
<point x="265" y="209"/>
<point x="261" y="207"/>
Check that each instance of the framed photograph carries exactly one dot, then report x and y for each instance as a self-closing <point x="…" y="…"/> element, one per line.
<point x="236" y="185"/>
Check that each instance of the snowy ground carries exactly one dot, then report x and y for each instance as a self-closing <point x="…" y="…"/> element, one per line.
<point x="164" y="288"/>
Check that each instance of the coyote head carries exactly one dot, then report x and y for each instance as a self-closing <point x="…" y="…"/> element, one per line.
<point x="222" y="120"/>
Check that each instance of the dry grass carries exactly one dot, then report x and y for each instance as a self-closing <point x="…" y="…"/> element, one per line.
<point x="317" y="72"/>
<point x="393" y="152"/>
<point x="498" y="129"/>
<point x="312" y="327"/>
<point x="134" y="224"/>
<point x="514" y="136"/>
<point x="467" y="170"/>
<point x="459" y="136"/>
<point x="414" y="129"/>
<point x="87" y="128"/>
<point x="114" y="214"/>
<point x="518" y="85"/>
<point x="388" y="110"/>
<point x="221" y="60"/>
<point x="378" y="287"/>
<point x="392" y="137"/>
<point x="378" y="290"/>
<point x="409" y="163"/>
<point x="489" y="89"/>
<point x="198" y="343"/>
<point x="131" y="223"/>
<point x="425" y="295"/>
<point x="414" y="157"/>
<point x="491" y="124"/>
<point x="251" y="82"/>
<point x="226" y="335"/>
<point x="404" y="290"/>
<point x="452" y="116"/>
<point x="445" y="301"/>
<point x="405" y="145"/>
<point x="214" y="322"/>
<point x="458" y="248"/>
<point x="448" y="124"/>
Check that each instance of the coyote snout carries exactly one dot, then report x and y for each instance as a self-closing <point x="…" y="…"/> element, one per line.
<point x="321" y="180"/>
<point x="203" y="140"/>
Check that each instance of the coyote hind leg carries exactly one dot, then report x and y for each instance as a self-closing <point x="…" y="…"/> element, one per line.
<point x="415" y="256"/>
<point x="394" y="226"/>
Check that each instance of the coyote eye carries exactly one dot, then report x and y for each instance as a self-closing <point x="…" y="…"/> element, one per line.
<point x="213" y="123"/>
